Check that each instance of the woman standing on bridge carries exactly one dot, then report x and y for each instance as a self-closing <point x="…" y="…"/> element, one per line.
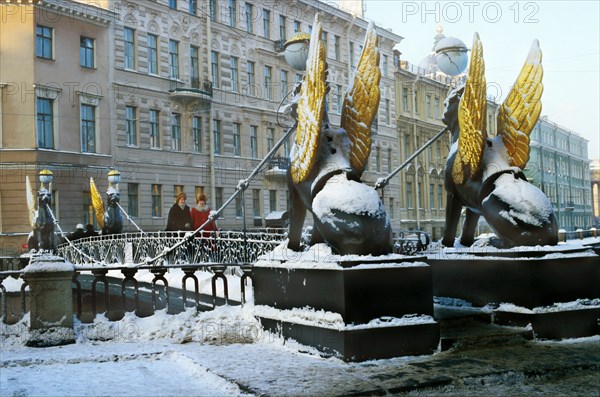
<point x="200" y="214"/>
<point x="179" y="215"/>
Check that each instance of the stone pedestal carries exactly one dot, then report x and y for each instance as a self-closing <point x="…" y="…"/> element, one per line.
<point x="360" y="309"/>
<point x="51" y="301"/>
<point x="535" y="280"/>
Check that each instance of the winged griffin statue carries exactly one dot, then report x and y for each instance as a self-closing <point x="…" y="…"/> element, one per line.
<point x="109" y="219"/>
<point x="327" y="163"/>
<point x="484" y="173"/>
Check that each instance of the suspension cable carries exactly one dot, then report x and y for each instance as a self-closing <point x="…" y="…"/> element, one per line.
<point x="64" y="235"/>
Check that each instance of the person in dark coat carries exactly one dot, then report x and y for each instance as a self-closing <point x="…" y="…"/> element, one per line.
<point x="179" y="218"/>
<point x="89" y="231"/>
<point x="77" y="234"/>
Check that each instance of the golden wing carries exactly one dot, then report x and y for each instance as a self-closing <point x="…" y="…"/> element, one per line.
<point x="311" y="107"/>
<point x="30" y="201"/>
<point x="471" y="118"/>
<point x="97" y="203"/>
<point x="521" y="108"/>
<point x="361" y="102"/>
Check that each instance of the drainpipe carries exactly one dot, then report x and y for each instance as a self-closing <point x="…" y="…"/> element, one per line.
<point x="414" y="85"/>
<point x="211" y="136"/>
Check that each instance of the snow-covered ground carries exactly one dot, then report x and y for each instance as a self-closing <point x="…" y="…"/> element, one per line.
<point x="226" y="352"/>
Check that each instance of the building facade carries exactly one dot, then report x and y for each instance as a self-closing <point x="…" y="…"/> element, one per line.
<point x="595" y="180"/>
<point x="178" y="96"/>
<point x="560" y="167"/>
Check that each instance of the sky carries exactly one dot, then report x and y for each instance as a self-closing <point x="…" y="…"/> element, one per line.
<point x="568" y="32"/>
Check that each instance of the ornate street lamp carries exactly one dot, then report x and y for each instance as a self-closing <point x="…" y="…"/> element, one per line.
<point x="114" y="177"/>
<point x="451" y="56"/>
<point x="296" y="50"/>
<point x="46" y="177"/>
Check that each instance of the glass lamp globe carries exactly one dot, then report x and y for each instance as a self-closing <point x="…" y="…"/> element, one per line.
<point x="114" y="177"/>
<point x="296" y="50"/>
<point x="451" y="56"/>
<point x="45" y="176"/>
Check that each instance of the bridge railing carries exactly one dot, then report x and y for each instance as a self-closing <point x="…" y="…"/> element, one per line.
<point x="231" y="247"/>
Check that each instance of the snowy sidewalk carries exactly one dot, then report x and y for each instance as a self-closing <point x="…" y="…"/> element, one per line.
<point x="225" y="353"/>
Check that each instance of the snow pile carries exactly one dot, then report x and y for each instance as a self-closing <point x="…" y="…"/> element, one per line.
<point x="579" y="304"/>
<point x="406" y="320"/>
<point x="306" y="316"/>
<point x="223" y="325"/>
<point x="48" y="263"/>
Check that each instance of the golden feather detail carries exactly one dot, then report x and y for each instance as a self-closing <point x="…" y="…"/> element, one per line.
<point x="30" y="196"/>
<point x="97" y="203"/>
<point x="471" y="118"/>
<point x="521" y="108"/>
<point x="311" y="107"/>
<point x="361" y="102"/>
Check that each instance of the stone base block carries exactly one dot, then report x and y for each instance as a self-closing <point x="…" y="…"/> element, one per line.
<point x="532" y="278"/>
<point x="574" y="323"/>
<point x="368" y="299"/>
<point x="363" y="343"/>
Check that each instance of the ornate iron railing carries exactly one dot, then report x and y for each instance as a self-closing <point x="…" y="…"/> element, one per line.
<point x="231" y="247"/>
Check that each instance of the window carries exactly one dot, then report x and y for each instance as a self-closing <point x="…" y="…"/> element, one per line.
<point x="387" y="112"/>
<point x="132" y="199"/>
<point x="440" y="193"/>
<point x="282" y="28"/>
<point x="297" y="26"/>
<point x="284" y="83"/>
<point x="270" y="138"/>
<point x="384" y="66"/>
<point x="45" y="123"/>
<point x="214" y="66"/>
<point x="237" y="144"/>
<point x="351" y="53"/>
<point x="129" y="49"/>
<point x="272" y="200"/>
<point x="266" y="24"/>
<point x="268" y="82"/>
<point x="337" y="47"/>
<point x="405" y="99"/>
<point x="194" y="67"/>
<point x="239" y="209"/>
<point x="173" y="4"/>
<point x="250" y="74"/>
<point x="152" y="54"/>
<point x="233" y="65"/>
<point x="416" y="98"/>
<point x="173" y="59"/>
<point x="436" y="107"/>
<point x="193" y="6"/>
<point x="254" y="141"/>
<point x="197" y="133"/>
<point x="153" y="119"/>
<point x="256" y="203"/>
<point x="378" y="159"/>
<point x="408" y="194"/>
<point x="324" y="38"/>
<point x="340" y="99"/>
<point x="156" y="201"/>
<point x="249" y="20"/>
<point x="43" y="42"/>
<point x="232" y="12"/>
<point x="390" y="161"/>
<point x="131" y="125"/>
<point x="212" y="10"/>
<point x="86" y="52"/>
<point x="428" y="105"/>
<point x="176" y="132"/>
<point x="88" y="128"/>
<point x="391" y="210"/>
<point x="217" y="135"/>
<point x="218" y="197"/>
<point x="286" y="147"/>
<point x="431" y="196"/>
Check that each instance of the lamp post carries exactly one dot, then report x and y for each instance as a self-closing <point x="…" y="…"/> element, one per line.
<point x="114" y="177"/>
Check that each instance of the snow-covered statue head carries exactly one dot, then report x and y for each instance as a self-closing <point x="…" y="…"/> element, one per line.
<point x="484" y="173"/>
<point x="327" y="163"/>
